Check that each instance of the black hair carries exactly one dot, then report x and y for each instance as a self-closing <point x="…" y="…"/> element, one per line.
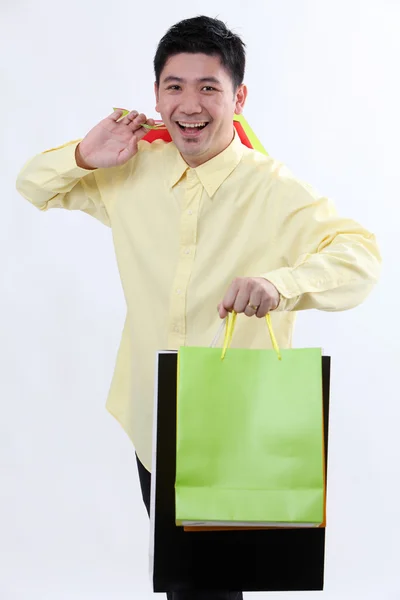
<point x="206" y="36"/>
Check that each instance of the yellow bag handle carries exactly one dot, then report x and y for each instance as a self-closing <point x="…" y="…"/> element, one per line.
<point x="230" y="326"/>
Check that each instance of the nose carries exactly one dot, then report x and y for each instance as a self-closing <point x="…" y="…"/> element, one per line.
<point x="190" y="103"/>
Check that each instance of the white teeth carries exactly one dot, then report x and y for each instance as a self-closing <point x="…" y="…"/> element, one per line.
<point x="192" y="125"/>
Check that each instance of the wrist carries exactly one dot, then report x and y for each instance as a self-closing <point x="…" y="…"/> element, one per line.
<point x="80" y="162"/>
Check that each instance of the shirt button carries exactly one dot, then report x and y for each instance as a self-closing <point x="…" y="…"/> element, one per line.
<point x="178" y="291"/>
<point x="187" y="251"/>
<point x="176" y="329"/>
<point x="190" y="212"/>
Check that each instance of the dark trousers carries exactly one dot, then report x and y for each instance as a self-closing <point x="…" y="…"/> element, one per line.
<point x="145" y="484"/>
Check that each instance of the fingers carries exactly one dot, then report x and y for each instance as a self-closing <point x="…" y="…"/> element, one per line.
<point x="132" y="117"/>
<point x="116" y="114"/>
<point x="222" y="311"/>
<point x="242" y="299"/>
<point x="265" y="307"/>
<point x="129" y="117"/>
<point x="254" y="303"/>
<point x="229" y="299"/>
<point x="140" y="132"/>
<point x="251" y="296"/>
<point x="237" y="298"/>
<point x="248" y="298"/>
<point x="133" y="120"/>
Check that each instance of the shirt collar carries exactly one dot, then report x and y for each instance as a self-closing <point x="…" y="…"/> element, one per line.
<point x="212" y="173"/>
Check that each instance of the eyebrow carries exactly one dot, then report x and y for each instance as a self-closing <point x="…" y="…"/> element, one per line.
<point x="210" y="79"/>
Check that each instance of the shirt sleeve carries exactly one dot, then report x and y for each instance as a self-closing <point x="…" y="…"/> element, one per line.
<point x="332" y="263"/>
<point x="52" y="179"/>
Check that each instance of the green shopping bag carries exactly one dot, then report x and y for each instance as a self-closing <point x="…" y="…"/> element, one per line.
<point x="250" y="448"/>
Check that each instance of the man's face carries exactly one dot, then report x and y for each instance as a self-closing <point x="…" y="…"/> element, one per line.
<point x="196" y="90"/>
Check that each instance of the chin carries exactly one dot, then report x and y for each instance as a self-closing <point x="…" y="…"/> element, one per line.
<point x="188" y="146"/>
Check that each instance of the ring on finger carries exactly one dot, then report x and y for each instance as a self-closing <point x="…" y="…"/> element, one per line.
<point x="253" y="307"/>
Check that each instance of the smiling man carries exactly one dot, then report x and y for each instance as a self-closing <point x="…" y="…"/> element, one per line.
<point x="200" y="222"/>
<point x="197" y="99"/>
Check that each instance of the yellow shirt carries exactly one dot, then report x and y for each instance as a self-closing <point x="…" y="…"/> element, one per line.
<point x="182" y="235"/>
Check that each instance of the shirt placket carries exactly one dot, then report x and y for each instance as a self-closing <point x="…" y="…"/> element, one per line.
<point x="190" y="205"/>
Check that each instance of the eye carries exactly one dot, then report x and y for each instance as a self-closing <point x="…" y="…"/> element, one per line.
<point x="173" y="87"/>
<point x="209" y="88"/>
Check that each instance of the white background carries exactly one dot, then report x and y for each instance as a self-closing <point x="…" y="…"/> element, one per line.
<point x="323" y="78"/>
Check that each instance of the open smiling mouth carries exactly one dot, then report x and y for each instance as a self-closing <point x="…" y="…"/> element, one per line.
<point x="192" y="128"/>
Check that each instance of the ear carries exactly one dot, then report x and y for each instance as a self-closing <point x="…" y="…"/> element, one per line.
<point x="240" y="99"/>
<point x="157" y="95"/>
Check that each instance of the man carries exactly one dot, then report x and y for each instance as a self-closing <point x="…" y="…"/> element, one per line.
<point x="200" y="222"/>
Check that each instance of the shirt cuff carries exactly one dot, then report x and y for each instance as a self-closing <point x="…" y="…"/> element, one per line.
<point x="65" y="161"/>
